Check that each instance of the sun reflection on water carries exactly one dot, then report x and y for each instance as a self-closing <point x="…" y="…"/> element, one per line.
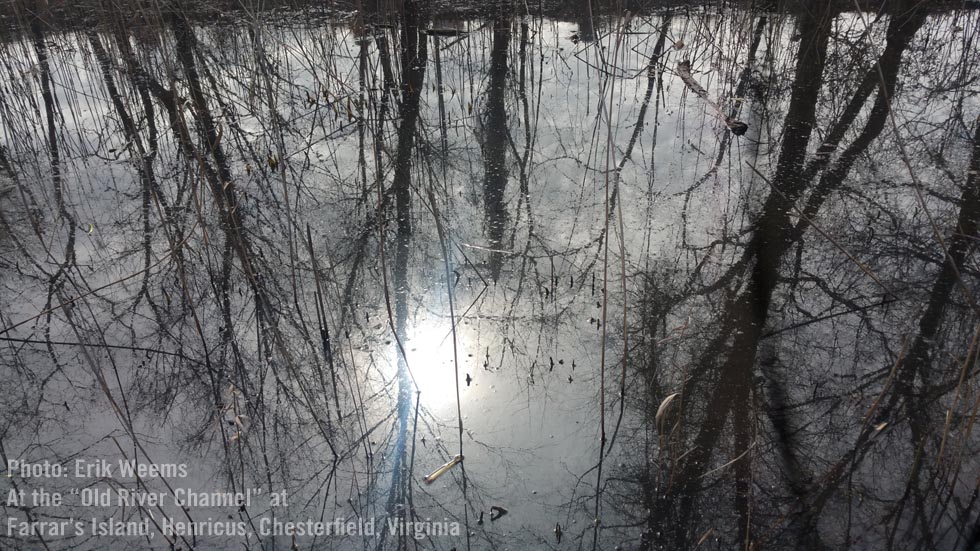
<point x="429" y="350"/>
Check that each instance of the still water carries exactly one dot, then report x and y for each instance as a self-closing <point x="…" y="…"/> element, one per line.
<point x="678" y="278"/>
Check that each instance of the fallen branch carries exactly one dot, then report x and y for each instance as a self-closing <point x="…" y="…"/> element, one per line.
<point x="684" y="70"/>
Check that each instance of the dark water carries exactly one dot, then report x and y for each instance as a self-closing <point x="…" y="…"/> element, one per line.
<point x="689" y="278"/>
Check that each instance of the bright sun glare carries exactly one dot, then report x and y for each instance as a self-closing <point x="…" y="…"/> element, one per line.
<point x="429" y="349"/>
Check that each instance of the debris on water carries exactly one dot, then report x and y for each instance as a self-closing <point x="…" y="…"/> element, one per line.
<point x="552" y="360"/>
<point x="443" y="469"/>
<point x="705" y="536"/>
<point x="468" y="379"/>
<point x="569" y="378"/>
<point x="737" y="127"/>
<point x="496" y="512"/>
<point x="666" y="414"/>
<point x="480" y="522"/>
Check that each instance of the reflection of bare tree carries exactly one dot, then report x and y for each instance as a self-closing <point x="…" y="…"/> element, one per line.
<point x="414" y="54"/>
<point x="726" y="391"/>
<point x="56" y="281"/>
<point x="586" y="24"/>
<point x="245" y="181"/>
<point x="495" y="143"/>
<point x="916" y="372"/>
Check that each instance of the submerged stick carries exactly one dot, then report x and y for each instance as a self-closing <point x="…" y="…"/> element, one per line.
<point x="442" y="470"/>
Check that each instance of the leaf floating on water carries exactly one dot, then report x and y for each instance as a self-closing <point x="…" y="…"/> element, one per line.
<point x="497" y="512"/>
<point x="442" y="470"/>
<point x="738" y="128"/>
<point x="881" y="426"/>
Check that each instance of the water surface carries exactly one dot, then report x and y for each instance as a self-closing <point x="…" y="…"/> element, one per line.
<point x="670" y="279"/>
